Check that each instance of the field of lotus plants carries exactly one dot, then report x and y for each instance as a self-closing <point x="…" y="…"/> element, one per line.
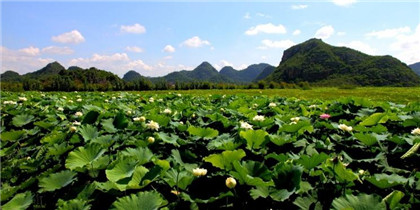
<point x="135" y="150"/>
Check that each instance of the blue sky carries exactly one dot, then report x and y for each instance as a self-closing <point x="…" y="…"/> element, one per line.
<point x="155" y="38"/>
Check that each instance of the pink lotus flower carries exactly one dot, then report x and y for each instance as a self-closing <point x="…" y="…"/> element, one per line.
<point x="324" y="116"/>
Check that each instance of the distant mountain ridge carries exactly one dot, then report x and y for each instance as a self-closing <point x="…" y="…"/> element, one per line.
<point x="317" y="62"/>
<point x="415" y="67"/>
<point x="312" y="61"/>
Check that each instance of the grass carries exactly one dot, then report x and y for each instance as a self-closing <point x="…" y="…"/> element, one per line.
<point x="392" y="94"/>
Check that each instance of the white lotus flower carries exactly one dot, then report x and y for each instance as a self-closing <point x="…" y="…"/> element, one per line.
<point x="160" y="100"/>
<point x="416" y="131"/>
<point x="23" y="99"/>
<point x="106" y="101"/>
<point x="73" y="128"/>
<point x="142" y="119"/>
<point x="230" y="182"/>
<point x="151" y="100"/>
<point x="246" y="126"/>
<point x="78" y="114"/>
<point x="272" y="104"/>
<point x="152" y="125"/>
<point x="113" y="98"/>
<point x="129" y="112"/>
<point x="167" y="111"/>
<point x="76" y="123"/>
<point x="64" y="97"/>
<point x="10" y="102"/>
<point x="60" y="109"/>
<point x="345" y="127"/>
<point x="313" y="106"/>
<point x="70" y="101"/>
<point x="179" y="95"/>
<point x="259" y="118"/>
<point x="199" y="172"/>
<point x="295" y="119"/>
<point x="79" y="100"/>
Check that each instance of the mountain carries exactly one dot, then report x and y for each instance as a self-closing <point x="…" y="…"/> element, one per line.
<point x="205" y="72"/>
<point x="317" y="62"/>
<point x="415" y="67"/>
<point x="245" y="75"/>
<point x="10" y="76"/>
<point x="265" y="73"/>
<point x="51" y="69"/>
<point x="131" y="76"/>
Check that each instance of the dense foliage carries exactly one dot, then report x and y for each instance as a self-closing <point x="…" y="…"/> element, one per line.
<point x="137" y="150"/>
<point x="317" y="62"/>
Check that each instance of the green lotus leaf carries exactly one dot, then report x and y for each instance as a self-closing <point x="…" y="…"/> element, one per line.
<point x="310" y="162"/>
<point x="22" y="119"/>
<point x="374" y="119"/>
<point x="12" y="135"/>
<point x="73" y="204"/>
<point x="122" y="169"/>
<point x="56" y="181"/>
<point x="88" y="132"/>
<point x="254" y="138"/>
<point x="90" y="117"/>
<point x="108" y="125"/>
<point x="205" y="133"/>
<point x="141" y="154"/>
<point x="384" y="181"/>
<point x="120" y="121"/>
<point x="148" y="200"/>
<point x="19" y="202"/>
<point x="359" y="202"/>
<point x="225" y="159"/>
<point x="366" y="138"/>
<point x="84" y="156"/>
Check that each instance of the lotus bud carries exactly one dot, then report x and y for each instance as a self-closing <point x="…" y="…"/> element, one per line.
<point x="73" y="128"/>
<point x="150" y="140"/>
<point x="230" y="182"/>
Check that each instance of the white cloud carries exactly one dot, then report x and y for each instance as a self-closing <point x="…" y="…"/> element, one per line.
<point x="31" y="51"/>
<point x="134" y="49"/>
<point x="296" y="32"/>
<point x="73" y="37"/>
<point x="224" y="63"/>
<point x="276" y="44"/>
<point x="169" y="49"/>
<point x="57" y="50"/>
<point x="407" y="46"/>
<point x="325" y="32"/>
<point x="263" y="15"/>
<point x="247" y="16"/>
<point x="20" y="61"/>
<point x="118" y="63"/>
<point x="134" y="29"/>
<point x="360" y="46"/>
<point x="343" y="3"/>
<point x="268" y="28"/>
<point x="389" y="33"/>
<point x="341" y="33"/>
<point x="299" y="6"/>
<point x="169" y="57"/>
<point x="195" y="42"/>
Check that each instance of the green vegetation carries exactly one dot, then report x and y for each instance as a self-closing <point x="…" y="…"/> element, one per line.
<point x="208" y="150"/>
<point x="317" y="62"/>
<point x="391" y="94"/>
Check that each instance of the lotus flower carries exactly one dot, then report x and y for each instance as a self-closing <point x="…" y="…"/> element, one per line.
<point x="230" y="182"/>
<point x="324" y="116"/>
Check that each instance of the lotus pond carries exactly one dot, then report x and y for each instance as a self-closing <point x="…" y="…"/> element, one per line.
<point x="134" y="150"/>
